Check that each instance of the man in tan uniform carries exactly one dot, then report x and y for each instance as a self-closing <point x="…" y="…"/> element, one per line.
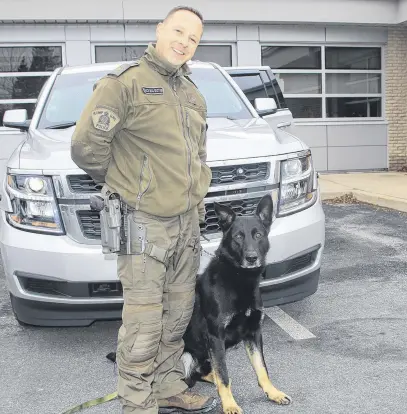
<point x="143" y="134"/>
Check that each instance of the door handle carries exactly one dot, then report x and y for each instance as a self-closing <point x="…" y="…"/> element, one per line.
<point x="284" y="124"/>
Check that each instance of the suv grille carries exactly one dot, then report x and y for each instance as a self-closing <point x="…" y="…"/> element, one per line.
<point x="240" y="207"/>
<point x="229" y="174"/>
<point x="83" y="184"/>
<point x="90" y="222"/>
<point x="225" y="174"/>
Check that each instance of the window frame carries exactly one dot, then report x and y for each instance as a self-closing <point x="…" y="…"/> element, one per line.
<point x="28" y="74"/>
<point x="118" y="43"/>
<point x="323" y="72"/>
<point x="122" y="43"/>
<point x="271" y="77"/>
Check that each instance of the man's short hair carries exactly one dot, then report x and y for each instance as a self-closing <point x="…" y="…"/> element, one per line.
<point x="187" y="8"/>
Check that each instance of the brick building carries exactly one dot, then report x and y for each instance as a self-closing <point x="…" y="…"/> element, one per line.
<point x="341" y="63"/>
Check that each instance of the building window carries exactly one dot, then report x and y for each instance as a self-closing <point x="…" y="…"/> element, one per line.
<point x="118" y="53"/>
<point x="23" y="72"/>
<point x="220" y="54"/>
<point x="328" y="81"/>
<point x="353" y="82"/>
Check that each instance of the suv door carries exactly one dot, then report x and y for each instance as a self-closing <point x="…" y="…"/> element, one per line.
<point x="260" y="82"/>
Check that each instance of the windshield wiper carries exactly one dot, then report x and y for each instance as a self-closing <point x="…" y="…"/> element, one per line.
<point x="62" y="126"/>
<point x="232" y="118"/>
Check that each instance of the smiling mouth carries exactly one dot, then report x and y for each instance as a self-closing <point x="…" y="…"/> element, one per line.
<point x="178" y="52"/>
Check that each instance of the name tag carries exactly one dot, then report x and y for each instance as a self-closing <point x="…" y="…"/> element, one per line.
<point x="153" y="91"/>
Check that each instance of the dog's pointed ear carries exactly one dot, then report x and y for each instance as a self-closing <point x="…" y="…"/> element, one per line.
<point x="225" y="215"/>
<point x="265" y="211"/>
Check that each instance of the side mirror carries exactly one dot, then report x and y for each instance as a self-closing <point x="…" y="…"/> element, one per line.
<point x="16" y="118"/>
<point x="265" y="106"/>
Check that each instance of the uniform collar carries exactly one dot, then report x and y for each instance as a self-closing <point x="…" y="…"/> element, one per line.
<point x="162" y="66"/>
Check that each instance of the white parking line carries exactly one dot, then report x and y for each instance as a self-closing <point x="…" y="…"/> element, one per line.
<point x="288" y="324"/>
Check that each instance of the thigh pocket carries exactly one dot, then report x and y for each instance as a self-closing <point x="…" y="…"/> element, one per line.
<point x="142" y="278"/>
<point x="129" y="268"/>
<point x="143" y="333"/>
<point x="144" y="269"/>
<point x="186" y="263"/>
<point x="181" y="306"/>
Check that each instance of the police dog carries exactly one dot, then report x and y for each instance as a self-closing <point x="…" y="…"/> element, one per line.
<point x="228" y="306"/>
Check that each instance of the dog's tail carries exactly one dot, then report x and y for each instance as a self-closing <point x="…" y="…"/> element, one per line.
<point x="190" y="368"/>
<point x="190" y="364"/>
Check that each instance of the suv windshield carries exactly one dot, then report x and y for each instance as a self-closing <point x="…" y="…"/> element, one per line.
<point x="70" y="93"/>
<point x="221" y="99"/>
<point x="67" y="98"/>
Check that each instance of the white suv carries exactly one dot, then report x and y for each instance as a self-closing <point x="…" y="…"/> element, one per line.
<point x="56" y="272"/>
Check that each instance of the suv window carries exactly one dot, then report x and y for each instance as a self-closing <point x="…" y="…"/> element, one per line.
<point x="273" y="88"/>
<point x="252" y="85"/>
<point x="259" y="84"/>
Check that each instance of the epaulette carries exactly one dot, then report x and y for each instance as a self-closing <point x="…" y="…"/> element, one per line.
<point x="122" y="68"/>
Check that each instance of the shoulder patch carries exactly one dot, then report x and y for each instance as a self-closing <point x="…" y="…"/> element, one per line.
<point x="104" y="119"/>
<point x="122" y="68"/>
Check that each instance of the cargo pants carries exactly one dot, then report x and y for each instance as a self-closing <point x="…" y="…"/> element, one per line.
<point x="158" y="281"/>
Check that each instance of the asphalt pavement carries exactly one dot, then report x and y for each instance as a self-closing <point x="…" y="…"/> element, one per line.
<point x="355" y="361"/>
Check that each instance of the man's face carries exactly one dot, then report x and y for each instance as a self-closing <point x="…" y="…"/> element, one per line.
<point x="178" y="37"/>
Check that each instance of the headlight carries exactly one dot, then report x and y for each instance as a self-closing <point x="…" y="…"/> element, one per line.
<point x="34" y="205"/>
<point x="298" y="185"/>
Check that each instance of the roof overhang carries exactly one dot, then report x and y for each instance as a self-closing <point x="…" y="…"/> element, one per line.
<point x="364" y="12"/>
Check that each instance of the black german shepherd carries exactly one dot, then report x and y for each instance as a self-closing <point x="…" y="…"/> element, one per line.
<point x="228" y="306"/>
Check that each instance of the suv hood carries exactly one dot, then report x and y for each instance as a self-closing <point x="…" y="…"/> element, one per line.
<point x="227" y="140"/>
<point x="247" y="138"/>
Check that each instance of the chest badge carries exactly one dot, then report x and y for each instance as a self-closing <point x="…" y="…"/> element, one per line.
<point x="150" y="90"/>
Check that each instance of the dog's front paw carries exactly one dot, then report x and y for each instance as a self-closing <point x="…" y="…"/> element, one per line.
<point x="278" y="397"/>
<point x="232" y="409"/>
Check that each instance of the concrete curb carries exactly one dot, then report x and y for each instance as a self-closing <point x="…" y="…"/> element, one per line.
<point x="370" y="198"/>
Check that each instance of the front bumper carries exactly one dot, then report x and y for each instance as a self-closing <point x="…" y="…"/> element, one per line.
<point x="55" y="281"/>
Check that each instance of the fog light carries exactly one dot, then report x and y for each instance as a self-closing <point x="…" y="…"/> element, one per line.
<point x="39" y="209"/>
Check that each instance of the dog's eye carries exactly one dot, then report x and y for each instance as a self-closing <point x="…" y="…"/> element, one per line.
<point x="258" y="235"/>
<point x="238" y="237"/>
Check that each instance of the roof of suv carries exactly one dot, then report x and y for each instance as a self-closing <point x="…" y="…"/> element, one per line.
<point x="96" y="67"/>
